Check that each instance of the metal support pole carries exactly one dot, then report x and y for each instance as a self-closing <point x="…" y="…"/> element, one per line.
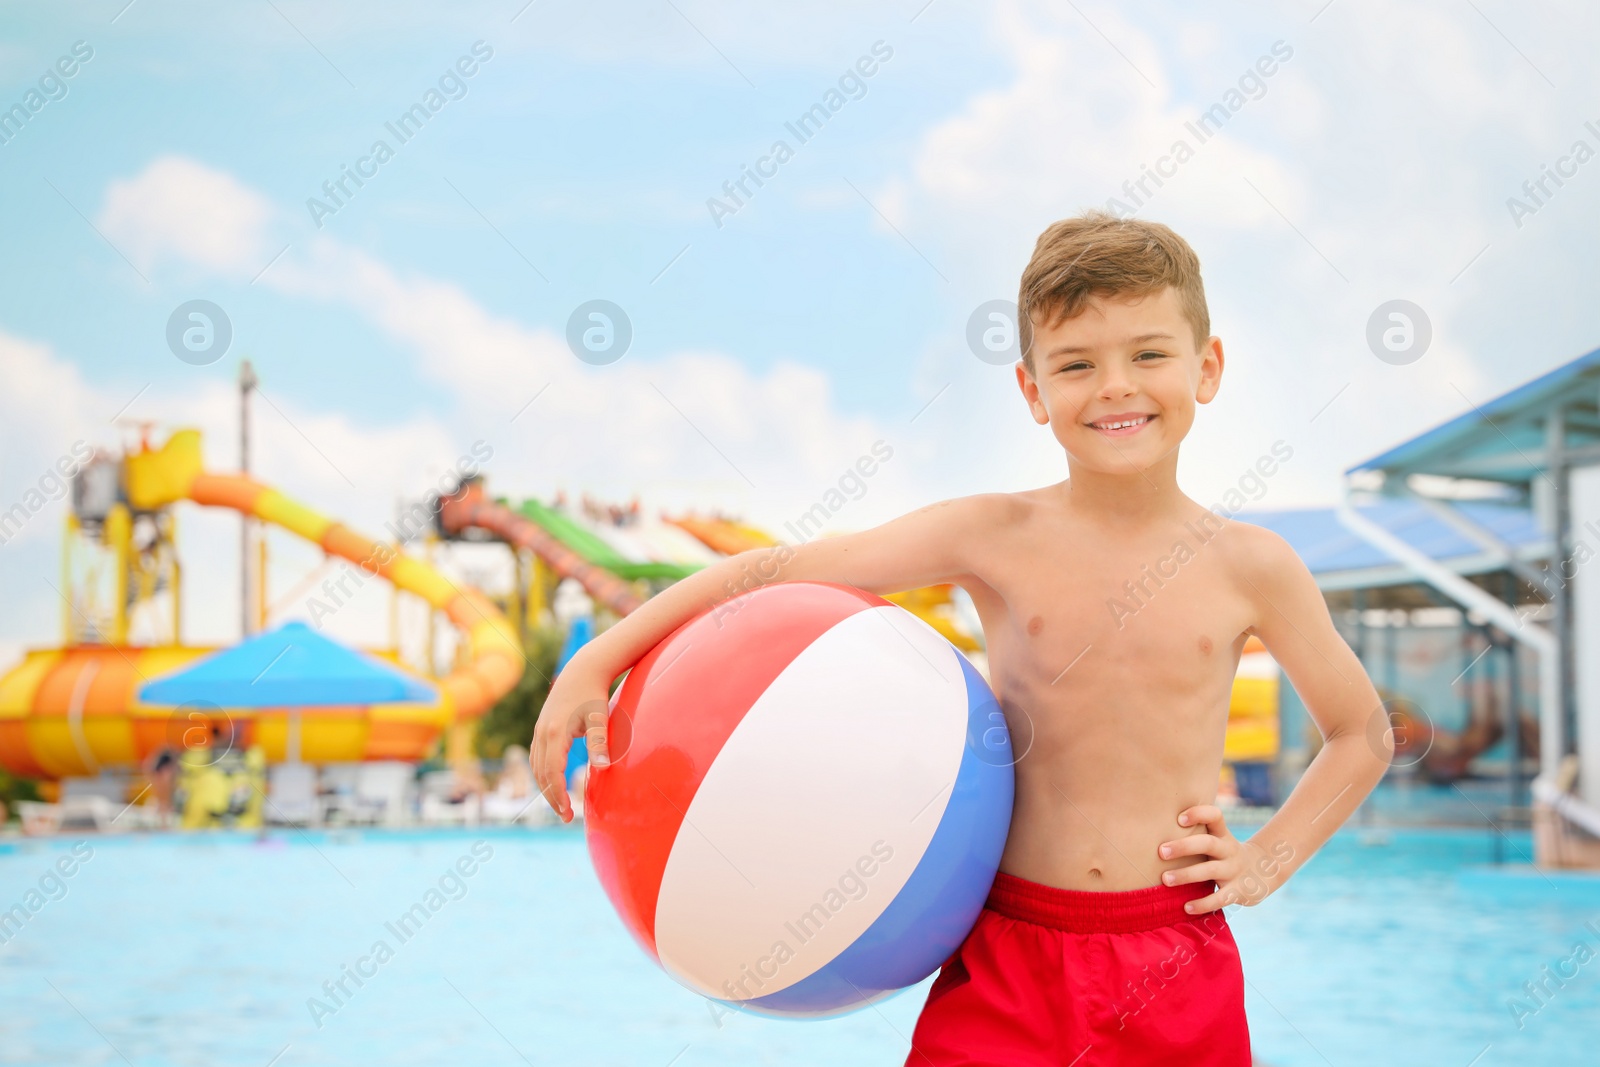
<point x="1391" y="653"/>
<point x="1513" y="710"/>
<point x="1561" y="542"/>
<point x="247" y="382"/>
<point x="177" y="577"/>
<point x="1358" y="601"/>
<point x="69" y="628"/>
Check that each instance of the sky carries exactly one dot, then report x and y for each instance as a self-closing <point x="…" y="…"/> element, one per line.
<point x="1359" y="153"/>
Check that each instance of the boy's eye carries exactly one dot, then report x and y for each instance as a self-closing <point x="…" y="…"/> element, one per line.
<point x="1077" y="365"/>
<point x="1157" y="355"/>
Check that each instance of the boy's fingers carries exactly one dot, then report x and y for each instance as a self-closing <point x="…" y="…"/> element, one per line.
<point x="551" y="774"/>
<point x="1197" y="872"/>
<point x="1208" y="815"/>
<point x="599" y="755"/>
<point x="599" y="752"/>
<point x="1193" y="845"/>
<point x="555" y="794"/>
<point x="536" y="760"/>
<point x="1219" y="899"/>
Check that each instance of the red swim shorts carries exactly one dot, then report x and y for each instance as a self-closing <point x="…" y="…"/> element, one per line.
<point x="1078" y="979"/>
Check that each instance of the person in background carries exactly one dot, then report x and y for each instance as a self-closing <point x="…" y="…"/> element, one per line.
<point x="468" y="782"/>
<point x="162" y="769"/>
<point x="516" y="776"/>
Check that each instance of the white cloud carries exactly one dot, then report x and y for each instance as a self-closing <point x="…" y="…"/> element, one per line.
<point x="1076" y="122"/>
<point x="48" y="405"/>
<point x="1387" y="148"/>
<point x="41" y="395"/>
<point x="1380" y="146"/>
<point x="179" y="210"/>
<point x="690" y="429"/>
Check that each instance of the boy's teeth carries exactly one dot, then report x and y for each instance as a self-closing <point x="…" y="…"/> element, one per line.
<point x="1120" y="425"/>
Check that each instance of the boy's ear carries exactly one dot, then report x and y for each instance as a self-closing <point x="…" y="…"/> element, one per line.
<point x="1211" y="361"/>
<point x="1030" y="393"/>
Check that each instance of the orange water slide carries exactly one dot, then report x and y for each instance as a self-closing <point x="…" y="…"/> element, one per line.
<point x="71" y="712"/>
<point x="76" y="710"/>
<point x="471" y="508"/>
<point x="724" y="535"/>
<point x="494" y="659"/>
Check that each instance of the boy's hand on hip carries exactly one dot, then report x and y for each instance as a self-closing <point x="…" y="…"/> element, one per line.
<point x="1241" y="869"/>
<point x="577" y="706"/>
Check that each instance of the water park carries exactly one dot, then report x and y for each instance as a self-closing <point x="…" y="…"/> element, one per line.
<point x="690" y="536"/>
<point x="289" y="746"/>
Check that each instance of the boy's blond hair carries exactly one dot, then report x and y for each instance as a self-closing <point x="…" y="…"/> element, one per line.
<point x="1099" y="254"/>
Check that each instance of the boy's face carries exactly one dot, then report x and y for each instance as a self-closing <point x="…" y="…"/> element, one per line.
<point x="1123" y="360"/>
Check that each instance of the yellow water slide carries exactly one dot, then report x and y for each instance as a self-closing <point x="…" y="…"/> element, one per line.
<point x="931" y="604"/>
<point x="74" y="711"/>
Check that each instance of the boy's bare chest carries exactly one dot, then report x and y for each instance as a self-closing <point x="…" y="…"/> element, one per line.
<point x="1167" y="609"/>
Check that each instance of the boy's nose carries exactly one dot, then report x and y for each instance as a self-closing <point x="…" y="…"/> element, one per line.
<point x="1116" y="386"/>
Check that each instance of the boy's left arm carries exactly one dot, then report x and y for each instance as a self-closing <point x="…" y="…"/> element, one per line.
<point x="1293" y="622"/>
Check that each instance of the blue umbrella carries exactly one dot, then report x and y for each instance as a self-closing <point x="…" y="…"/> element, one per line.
<point x="292" y="666"/>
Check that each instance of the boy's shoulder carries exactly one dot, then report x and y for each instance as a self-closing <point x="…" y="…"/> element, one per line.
<point x="982" y="509"/>
<point x="971" y="533"/>
<point x="1255" y="548"/>
<point x="1265" y="565"/>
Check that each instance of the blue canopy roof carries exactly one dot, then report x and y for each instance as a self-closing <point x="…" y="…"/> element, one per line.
<point x="1505" y="438"/>
<point x="292" y="666"/>
<point x="1329" y="550"/>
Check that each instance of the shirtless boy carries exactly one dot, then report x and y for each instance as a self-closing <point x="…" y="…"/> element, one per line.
<point x="1114" y="610"/>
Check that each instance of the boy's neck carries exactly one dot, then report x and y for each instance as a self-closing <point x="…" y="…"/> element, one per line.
<point x="1119" y="496"/>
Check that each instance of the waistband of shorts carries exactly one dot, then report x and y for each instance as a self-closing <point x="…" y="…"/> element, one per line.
<point x="1079" y="911"/>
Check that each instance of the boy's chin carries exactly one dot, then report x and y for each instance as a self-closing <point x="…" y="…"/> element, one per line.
<point x="1123" y="465"/>
<point x="1104" y="455"/>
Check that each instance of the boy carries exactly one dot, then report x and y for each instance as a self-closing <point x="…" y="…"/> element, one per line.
<point x="1115" y="609"/>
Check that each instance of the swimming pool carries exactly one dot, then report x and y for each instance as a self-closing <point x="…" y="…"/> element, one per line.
<point x="1393" y="947"/>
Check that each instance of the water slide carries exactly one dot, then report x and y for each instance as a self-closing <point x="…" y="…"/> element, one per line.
<point x="597" y="555"/>
<point x="623" y="559"/>
<point x="73" y="711"/>
<point x="932" y="604"/>
<point x="471" y="508"/>
<point x="724" y="535"/>
<point x="645" y="539"/>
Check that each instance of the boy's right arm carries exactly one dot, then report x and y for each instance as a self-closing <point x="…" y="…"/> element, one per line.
<point x="929" y="546"/>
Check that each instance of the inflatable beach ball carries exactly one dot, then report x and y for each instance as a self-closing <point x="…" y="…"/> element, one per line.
<point x="809" y="793"/>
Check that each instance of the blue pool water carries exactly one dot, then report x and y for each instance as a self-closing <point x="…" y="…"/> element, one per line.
<point x="1403" y="948"/>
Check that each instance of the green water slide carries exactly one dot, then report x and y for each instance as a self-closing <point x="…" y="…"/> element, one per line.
<point x="596" y="550"/>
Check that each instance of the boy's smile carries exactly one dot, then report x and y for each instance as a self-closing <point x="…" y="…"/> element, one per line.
<point x="1122" y="424"/>
<point x="1118" y="382"/>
